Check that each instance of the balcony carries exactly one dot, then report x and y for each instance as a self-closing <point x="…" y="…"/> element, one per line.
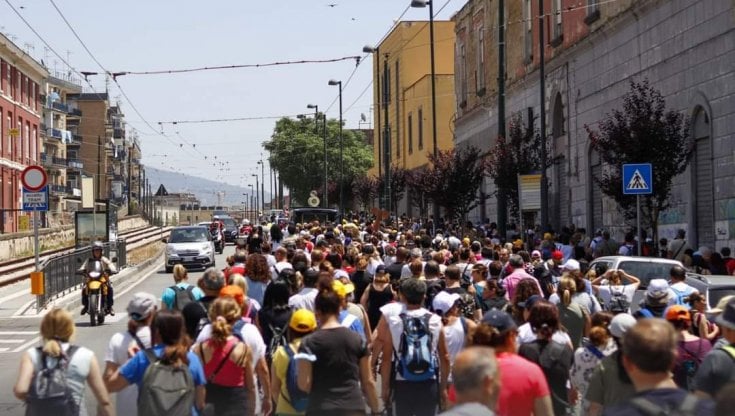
<point x="75" y="164"/>
<point x="76" y="140"/>
<point x="59" y="189"/>
<point x="63" y="135"/>
<point x="118" y="133"/>
<point x="59" y="106"/>
<point x="74" y="112"/>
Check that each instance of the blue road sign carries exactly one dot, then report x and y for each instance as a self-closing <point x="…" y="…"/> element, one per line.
<point x="35" y="201"/>
<point x="637" y="179"/>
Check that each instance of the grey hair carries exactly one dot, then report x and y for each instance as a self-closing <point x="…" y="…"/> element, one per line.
<point x="213" y="279"/>
<point x="469" y="377"/>
<point x="515" y="261"/>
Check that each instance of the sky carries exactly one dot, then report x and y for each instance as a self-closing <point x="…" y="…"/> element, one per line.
<point x="137" y="36"/>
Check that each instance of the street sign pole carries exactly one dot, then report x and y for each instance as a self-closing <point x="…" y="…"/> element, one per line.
<point x="35" y="239"/>
<point x="638" y="180"/>
<point x="638" y="222"/>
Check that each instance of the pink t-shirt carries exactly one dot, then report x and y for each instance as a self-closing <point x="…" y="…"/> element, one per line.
<point x="522" y="382"/>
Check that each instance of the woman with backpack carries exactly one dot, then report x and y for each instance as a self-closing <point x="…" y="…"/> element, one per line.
<point x="170" y="352"/>
<point x="573" y="315"/>
<point x="334" y="364"/>
<point x="283" y="371"/>
<point x="616" y="289"/>
<point x="77" y="365"/>
<point x="691" y="349"/>
<point x="588" y="356"/>
<point x="258" y="275"/>
<point x="701" y="326"/>
<point x="273" y="317"/>
<point x="227" y="362"/>
<point x="555" y="359"/>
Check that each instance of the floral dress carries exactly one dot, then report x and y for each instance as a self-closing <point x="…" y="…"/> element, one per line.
<point x="586" y="359"/>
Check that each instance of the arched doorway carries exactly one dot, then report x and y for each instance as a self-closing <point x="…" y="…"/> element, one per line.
<point x="702" y="180"/>
<point x="560" y="184"/>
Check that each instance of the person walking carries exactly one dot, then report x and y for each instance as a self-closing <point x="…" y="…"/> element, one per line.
<point x="257" y="275"/>
<point x="82" y="369"/>
<point x="196" y="314"/>
<point x="691" y="349"/>
<point x="302" y="323"/>
<point x="476" y="383"/>
<point x="137" y="337"/>
<point x="182" y="292"/>
<point x="333" y="363"/>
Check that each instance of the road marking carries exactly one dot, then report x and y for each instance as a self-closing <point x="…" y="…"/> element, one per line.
<point x="11" y="341"/>
<point x="3" y="349"/>
<point x="23" y="292"/>
<point x="27" y="344"/>
<point x="18" y="332"/>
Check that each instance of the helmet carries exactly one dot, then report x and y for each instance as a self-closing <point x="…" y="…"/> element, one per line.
<point x="246" y="221"/>
<point x="97" y="245"/>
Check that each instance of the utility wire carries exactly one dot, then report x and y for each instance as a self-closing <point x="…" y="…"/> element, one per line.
<point x="220" y="67"/>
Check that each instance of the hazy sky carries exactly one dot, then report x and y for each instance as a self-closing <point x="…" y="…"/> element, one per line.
<point x="135" y="35"/>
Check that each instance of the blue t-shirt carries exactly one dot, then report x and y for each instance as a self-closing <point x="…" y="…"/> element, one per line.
<point x="355" y="326"/>
<point x="169" y="296"/>
<point x="134" y="369"/>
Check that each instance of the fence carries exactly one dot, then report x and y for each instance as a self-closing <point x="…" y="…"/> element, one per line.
<point x="60" y="272"/>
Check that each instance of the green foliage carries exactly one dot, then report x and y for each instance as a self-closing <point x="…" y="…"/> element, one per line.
<point x="297" y="153"/>
<point x="364" y="190"/>
<point x="452" y="180"/>
<point x="642" y="132"/>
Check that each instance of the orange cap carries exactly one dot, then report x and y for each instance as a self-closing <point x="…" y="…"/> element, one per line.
<point x="678" y="313"/>
<point x="234" y="292"/>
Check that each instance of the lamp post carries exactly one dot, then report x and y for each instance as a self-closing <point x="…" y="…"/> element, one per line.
<point x="376" y="51"/>
<point x="420" y="4"/>
<point x="542" y="116"/>
<point x="341" y="151"/>
<point x="250" y="205"/>
<point x="326" y="175"/>
<point x="386" y="135"/>
<point x="257" y="198"/>
<point x="262" y="183"/>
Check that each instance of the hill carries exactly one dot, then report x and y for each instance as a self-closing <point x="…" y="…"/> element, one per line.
<point x="205" y="189"/>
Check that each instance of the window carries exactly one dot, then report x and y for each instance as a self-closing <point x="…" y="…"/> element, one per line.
<point x="462" y="76"/>
<point x="528" y="32"/>
<point x="34" y="143"/>
<point x="3" y="70"/>
<point x="410" y="133"/>
<point x="386" y="83"/>
<point x="593" y="11"/>
<point x="557" y="12"/>
<point x="398" y="112"/>
<point x="480" y="77"/>
<point x="27" y="140"/>
<point x="421" y="128"/>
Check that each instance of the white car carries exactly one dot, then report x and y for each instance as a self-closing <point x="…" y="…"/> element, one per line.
<point x="191" y="246"/>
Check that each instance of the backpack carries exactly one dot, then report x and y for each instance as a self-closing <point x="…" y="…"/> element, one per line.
<point x="646" y="313"/>
<point x="277" y="340"/>
<point x="49" y="392"/>
<point x="299" y="399"/>
<point x="689" y="366"/>
<point x="433" y="287"/>
<point x="182" y="296"/>
<point x="166" y="389"/>
<point x="682" y="296"/>
<point x="203" y="321"/>
<point x="646" y="407"/>
<point x="618" y="301"/>
<point x="467" y="305"/>
<point x="415" y="360"/>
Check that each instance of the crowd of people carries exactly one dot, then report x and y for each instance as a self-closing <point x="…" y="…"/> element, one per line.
<point x="358" y="318"/>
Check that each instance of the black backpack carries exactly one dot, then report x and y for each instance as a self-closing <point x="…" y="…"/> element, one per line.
<point x="278" y="339"/>
<point x="49" y="392"/>
<point x="687" y="407"/>
<point x="182" y="296"/>
<point x="167" y="389"/>
<point x="618" y="301"/>
<point x="433" y="287"/>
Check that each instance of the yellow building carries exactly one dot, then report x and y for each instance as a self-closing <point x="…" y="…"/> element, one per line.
<point x="402" y="81"/>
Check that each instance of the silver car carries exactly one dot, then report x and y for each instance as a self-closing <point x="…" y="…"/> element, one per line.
<point x="191" y="246"/>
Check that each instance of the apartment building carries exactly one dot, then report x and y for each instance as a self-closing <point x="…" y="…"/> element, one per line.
<point x="21" y="80"/>
<point x="592" y="50"/>
<point x="403" y="96"/>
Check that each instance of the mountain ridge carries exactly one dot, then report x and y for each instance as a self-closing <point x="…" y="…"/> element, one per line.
<point x="205" y="189"/>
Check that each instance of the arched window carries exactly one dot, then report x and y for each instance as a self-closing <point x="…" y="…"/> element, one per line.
<point x="560" y="181"/>
<point x="703" y="178"/>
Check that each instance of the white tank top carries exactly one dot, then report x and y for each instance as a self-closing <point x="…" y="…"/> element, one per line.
<point x="455" y="338"/>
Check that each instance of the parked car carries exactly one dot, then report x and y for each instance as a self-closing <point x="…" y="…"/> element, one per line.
<point x="644" y="268"/>
<point x="191" y="246"/>
<point x="714" y="287"/>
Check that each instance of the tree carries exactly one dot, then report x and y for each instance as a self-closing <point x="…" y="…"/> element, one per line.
<point x="642" y="132"/>
<point x="365" y="189"/>
<point x="518" y="154"/>
<point x="417" y="182"/>
<point x="397" y="185"/>
<point x="453" y="178"/>
<point x="297" y="153"/>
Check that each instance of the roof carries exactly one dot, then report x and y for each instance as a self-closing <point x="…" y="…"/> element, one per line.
<point x="161" y="191"/>
<point x="89" y="96"/>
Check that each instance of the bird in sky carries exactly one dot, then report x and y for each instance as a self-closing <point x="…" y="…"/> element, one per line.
<point x="332" y="5"/>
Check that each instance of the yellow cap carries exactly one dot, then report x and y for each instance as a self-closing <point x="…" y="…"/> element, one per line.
<point x="303" y="320"/>
<point x="339" y="288"/>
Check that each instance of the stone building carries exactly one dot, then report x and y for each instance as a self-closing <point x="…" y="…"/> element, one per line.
<point x="685" y="48"/>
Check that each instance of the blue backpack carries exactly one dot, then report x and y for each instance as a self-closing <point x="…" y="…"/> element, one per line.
<point x="415" y="360"/>
<point x="299" y="399"/>
<point x="682" y="296"/>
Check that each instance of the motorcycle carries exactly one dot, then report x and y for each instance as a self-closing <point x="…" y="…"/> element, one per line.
<point x="219" y="240"/>
<point x="97" y="293"/>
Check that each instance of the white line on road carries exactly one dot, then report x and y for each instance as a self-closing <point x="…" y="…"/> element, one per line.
<point x="4" y="349"/>
<point x="27" y="344"/>
<point x="18" y="332"/>
<point x="15" y="295"/>
<point x="11" y="341"/>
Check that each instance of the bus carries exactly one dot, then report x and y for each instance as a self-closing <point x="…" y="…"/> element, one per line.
<point x="308" y="214"/>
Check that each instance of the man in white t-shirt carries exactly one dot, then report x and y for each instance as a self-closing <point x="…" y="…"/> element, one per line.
<point x="679" y="290"/>
<point x="123" y="345"/>
<point x="281" y="263"/>
<point x="307" y="295"/>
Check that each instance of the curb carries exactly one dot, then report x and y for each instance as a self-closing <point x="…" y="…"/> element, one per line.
<point x="123" y="279"/>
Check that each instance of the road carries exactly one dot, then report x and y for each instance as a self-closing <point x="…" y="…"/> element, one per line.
<point x="19" y="333"/>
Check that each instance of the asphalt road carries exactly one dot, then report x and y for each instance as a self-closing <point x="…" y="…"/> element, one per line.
<point x="17" y="334"/>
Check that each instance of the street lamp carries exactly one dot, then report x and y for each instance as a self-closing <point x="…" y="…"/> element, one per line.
<point x="376" y="50"/>
<point x="326" y="175"/>
<point x="250" y="206"/>
<point x="341" y="151"/>
<point x="386" y="143"/>
<point x="262" y="182"/>
<point x="257" y="199"/>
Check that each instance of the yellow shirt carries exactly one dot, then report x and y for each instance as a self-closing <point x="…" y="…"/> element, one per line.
<point x="280" y="366"/>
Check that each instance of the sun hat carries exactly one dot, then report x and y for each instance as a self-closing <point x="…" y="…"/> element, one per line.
<point x="657" y="289"/>
<point x="234" y="292"/>
<point x="557" y="255"/>
<point x="727" y="317"/>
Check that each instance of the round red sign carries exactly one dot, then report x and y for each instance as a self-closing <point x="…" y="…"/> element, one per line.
<point x="33" y="178"/>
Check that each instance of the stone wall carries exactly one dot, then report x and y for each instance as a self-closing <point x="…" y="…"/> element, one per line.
<point x="17" y="245"/>
<point x="130" y="223"/>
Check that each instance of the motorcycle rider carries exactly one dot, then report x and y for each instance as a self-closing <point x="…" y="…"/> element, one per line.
<point x="88" y="266"/>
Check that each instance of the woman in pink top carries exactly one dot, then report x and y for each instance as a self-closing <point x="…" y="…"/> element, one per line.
<point x="227" y="364"/>
<point x="523" y="387"/>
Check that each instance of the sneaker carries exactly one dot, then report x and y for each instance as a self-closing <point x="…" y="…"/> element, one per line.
<point x="84" y="311"/>
<point x="111" y="311"/>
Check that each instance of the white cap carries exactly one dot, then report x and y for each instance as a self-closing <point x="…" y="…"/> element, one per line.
<point x="620" y="324"/>
<point x="571" y="265"/>
<point x="444" y="301"/>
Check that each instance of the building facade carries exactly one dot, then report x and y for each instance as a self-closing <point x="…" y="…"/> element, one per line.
<point x="402" y="93"/>
<point x="686" y="50"/>
<point x="21" y="78"/>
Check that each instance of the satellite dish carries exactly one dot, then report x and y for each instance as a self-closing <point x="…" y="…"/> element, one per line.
<point x="362" y="117"/>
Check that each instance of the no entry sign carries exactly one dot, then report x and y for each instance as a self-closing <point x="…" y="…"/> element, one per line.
<point x="33" y="178"/>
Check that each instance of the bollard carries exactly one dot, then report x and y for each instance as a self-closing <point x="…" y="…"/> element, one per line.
<point x="37" y="283"/>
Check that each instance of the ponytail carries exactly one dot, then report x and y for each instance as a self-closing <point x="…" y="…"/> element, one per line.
<point x="566" y="297"/>
<point x="223" y="314"/>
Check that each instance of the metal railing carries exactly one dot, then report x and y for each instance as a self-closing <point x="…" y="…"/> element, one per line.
<point x="60" y="272"/>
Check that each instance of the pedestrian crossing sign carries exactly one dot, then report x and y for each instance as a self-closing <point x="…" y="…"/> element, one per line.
<point x="637" y="179"/>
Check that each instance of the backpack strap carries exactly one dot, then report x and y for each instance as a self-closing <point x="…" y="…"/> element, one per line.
<point x="137" y="339"/>
<point x="348" y="321"/>
<point x="221" y="364"/>
<point x="647" y="407"/>
<point x="646" y="313"/>
<point x="730" y="350"/>
<point x="152" y="357"/>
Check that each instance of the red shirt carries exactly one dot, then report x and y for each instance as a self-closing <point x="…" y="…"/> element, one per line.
<point x="522" y="382"/>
